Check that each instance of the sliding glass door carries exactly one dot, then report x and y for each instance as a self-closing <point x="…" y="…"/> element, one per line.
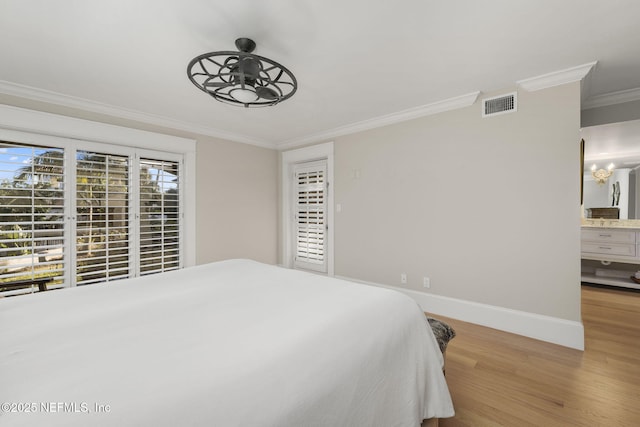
<point x="32" y="217"/>
<point x="159" y="216"/>
<point x="102" y="217"/>
<point x="85" y="213"/>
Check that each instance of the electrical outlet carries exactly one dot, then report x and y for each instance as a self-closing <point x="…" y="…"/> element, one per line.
<point x="403" y="278"/>
<point x="426" y="282"/>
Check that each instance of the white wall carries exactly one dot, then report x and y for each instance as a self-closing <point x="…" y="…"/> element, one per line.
<point x="237" y="201"/>
<point x="488" y="209"/>
<point x="611" y="114"/>
<point x="595" y="195"/>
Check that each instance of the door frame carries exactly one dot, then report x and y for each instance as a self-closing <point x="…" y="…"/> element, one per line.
<point x="289" y="159"/>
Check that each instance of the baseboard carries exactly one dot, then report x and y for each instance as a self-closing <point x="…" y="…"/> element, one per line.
<point x="563" y="332"/>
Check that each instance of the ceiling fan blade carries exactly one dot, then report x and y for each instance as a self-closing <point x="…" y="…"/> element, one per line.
<point x="216" y="84"/>
<point x="266" y="93"/>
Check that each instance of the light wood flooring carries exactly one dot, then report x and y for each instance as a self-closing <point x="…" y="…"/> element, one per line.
<point x="501" y="379"/>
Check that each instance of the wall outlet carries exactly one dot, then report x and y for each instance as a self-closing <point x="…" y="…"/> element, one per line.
<point x="403" y="278"/>
<point x="426" y="282"/>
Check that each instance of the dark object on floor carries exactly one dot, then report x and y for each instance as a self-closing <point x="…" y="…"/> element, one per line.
<point x="40" y="282"/>
<point x="443" y="332"/>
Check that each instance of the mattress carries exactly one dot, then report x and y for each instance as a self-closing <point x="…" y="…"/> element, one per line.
<point x="232" y="343"/>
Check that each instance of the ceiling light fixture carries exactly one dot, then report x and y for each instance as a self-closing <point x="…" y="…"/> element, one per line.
<point x="242" y="78"/>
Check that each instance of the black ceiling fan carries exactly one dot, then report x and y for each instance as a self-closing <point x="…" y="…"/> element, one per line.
<point x="242" y="78"/>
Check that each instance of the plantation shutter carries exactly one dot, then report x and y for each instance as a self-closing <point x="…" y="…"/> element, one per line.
<point x="310" y="188"/>
<point x="32" y="211"/>
<point x="86" y="213"/>
<point x="102" y="221"/>
<point x="159" y="216"/>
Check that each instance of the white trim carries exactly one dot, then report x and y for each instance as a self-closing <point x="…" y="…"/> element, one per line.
<point x="36" y="126"/>
<point x="289" y="158"/>
<point x="189" y="217"/>
<point x="70" y="210"/>
<point x="41" y="95"/>
<point x="545" y="328"/>
<point x="32" y="121"/>
<point x="401" y="116"/>
<point x="557" y="78"/>
<point x="612" y="98"/>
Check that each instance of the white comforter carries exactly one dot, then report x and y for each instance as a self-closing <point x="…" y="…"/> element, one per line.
<point x="234" y="343"/>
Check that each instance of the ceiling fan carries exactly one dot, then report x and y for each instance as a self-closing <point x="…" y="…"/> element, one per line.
<point x="242" y="78"/>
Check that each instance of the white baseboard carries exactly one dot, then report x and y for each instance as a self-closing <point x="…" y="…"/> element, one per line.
<point x="563" y="332"/>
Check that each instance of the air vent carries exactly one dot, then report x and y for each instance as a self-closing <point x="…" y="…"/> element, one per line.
<point x="499" y="105"/>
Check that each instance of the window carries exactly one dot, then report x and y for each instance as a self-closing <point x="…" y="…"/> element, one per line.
<point x="127" y="214"/>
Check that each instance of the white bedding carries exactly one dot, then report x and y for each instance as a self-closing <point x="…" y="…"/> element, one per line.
<point x="234" y="343"/>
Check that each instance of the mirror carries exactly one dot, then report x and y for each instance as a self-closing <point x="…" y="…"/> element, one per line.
<point x="612" y="190"/>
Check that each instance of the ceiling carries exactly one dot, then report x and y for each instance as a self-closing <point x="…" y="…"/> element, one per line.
<point x="356" y="61"/>
<point x="617" y="143"/>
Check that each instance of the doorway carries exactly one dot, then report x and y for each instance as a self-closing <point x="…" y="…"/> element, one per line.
<point x="307" y="208"/>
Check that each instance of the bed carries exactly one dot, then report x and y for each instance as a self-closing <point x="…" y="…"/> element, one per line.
<point x="232" y="343"/>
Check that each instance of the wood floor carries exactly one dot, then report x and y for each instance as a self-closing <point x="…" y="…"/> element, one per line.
<point x="501" y="379"/>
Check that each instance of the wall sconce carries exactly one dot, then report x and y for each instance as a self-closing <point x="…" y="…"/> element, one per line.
<point x="600" y="175"/>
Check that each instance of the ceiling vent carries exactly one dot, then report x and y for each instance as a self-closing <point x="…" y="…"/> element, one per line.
<point x="499" y="105"/>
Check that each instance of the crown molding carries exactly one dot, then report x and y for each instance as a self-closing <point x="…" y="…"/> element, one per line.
<point x="612" y="98"/>
<point x="400" y="116"/>
<point x="557" y="78"/>
<point x="579" y="73"/>
<point x="50" y="97"/>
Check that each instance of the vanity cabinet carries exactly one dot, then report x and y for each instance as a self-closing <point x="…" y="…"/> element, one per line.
<point x="610" y="256"/>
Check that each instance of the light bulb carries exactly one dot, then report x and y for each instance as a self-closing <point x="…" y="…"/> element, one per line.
<point x="244" y="95"/>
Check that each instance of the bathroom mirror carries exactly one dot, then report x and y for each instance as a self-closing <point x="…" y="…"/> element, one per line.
<point x="611" y="171"/>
